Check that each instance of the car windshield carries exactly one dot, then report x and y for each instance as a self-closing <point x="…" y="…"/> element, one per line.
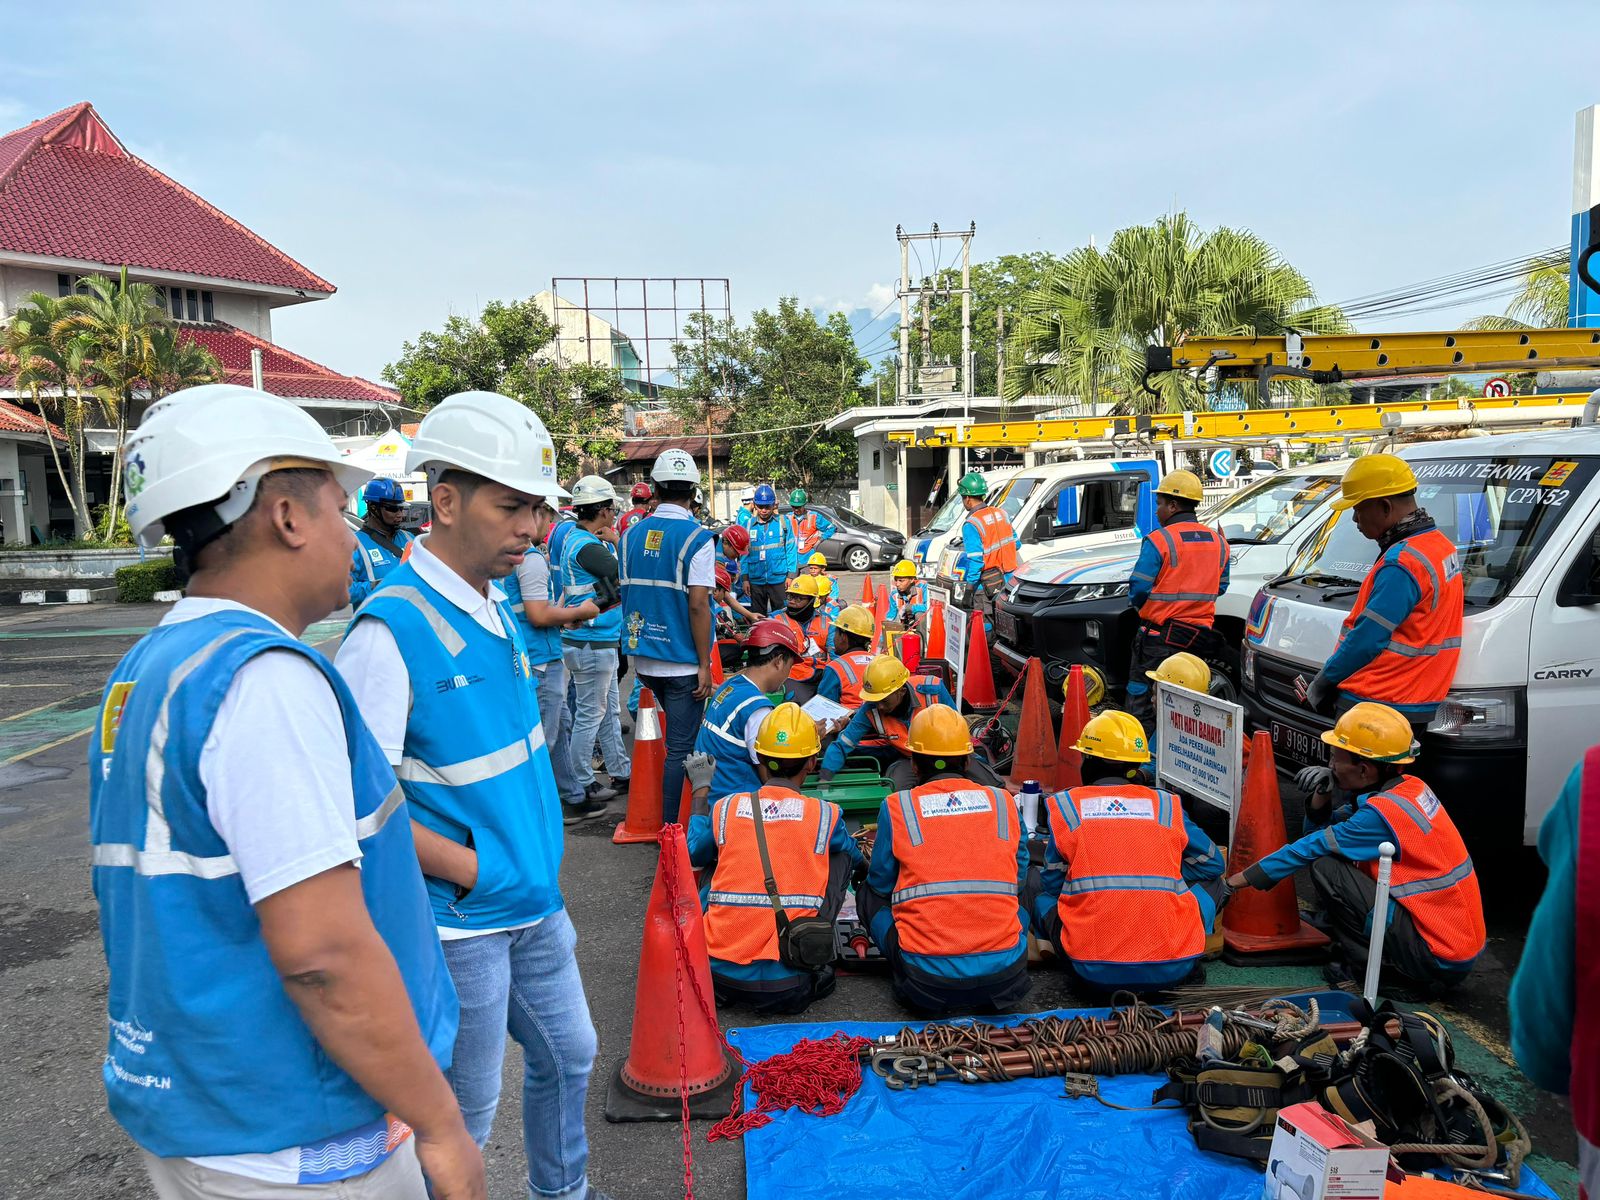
<point x="848" y="517"/>
<point x="945" y="519"/>
<point x="1498" y="511"/>
<point x="1264" y="512"/>
<point x="1014" y="493"/>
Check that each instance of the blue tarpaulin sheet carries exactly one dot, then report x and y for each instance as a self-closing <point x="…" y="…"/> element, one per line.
<point x="1010" y="1141"/>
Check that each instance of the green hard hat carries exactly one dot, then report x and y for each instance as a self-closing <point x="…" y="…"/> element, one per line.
<point x="797" y="498"/>
<point x="972" y="484"/>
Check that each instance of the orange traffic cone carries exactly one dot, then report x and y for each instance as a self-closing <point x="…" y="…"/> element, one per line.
<point x="1264" y="926"/>
<point x="866" y="591"/>
<point x="676" y="1043"/>
<point x="935" y="647"/>
<point x="1034" y="756"/>
<point x="977" y="687"/>
<point x="643" y="822"/>
<point x="878" y="610"/>
<point x="1074" y="716"/>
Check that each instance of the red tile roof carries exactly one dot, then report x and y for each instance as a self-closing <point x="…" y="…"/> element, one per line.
<point x="69" y="189"/>
<point x="15" y="419"/>
<point x="283" y="373"/>
<point x="646" y="449"/>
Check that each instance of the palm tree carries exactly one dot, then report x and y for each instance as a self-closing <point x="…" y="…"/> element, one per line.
<point x="177" y="362"/>
<point x="1083" y="333"/>
<point x="48" y="366"/>
<point x="1543" y="299"/>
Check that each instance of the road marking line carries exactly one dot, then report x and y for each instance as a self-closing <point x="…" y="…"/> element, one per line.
<point x="61" y="741"/>
<point x="28" y="712"/>
<point x="32" y="685"/>
<point x="57" y="657"/>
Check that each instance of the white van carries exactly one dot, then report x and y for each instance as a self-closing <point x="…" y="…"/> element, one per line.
<point x="1523" y="508"/>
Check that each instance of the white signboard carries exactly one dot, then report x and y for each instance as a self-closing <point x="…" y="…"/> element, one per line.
<point x="937" y="595"/>
<point x="1199" y="745"/>
<point x="955" y="645"/>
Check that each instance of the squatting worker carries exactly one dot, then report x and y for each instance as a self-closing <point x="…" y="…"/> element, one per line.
<point x="1435" y="919"/>
<point x="380" y="542"/>
<point x="817" y="567"/>
<point x="734" y="715"/>
<point x="1181" y="570"/>
<point x="842" y="678"/>
<point x="810" y="628"/>
<point x="668" y="570"/>
<point x="812" y="854"/>
<point x="989" y="545"/>
<point x="1402" y="640"/>
<point x="1130" y="884"/>
<point x="589" y="571"/>
<point x="279" y="1008"/>
<point x="437" y="660"/>
<point x="908" y="596"/>
<point x="942" y="898"/>
<point x="770" y="562"/>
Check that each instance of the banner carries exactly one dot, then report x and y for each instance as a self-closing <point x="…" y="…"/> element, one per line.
<point x="1200" y="745"/>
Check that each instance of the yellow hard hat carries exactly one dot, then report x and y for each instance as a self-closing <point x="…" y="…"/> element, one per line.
<point x="904" y="569"/>
<point x="854" y="619"/>
<point x="1184" y="669"/>
<point x="1116" y="736"/>
<point x="939" y="730"/>
<point x="885" y="675"/>
<point x="819" y="559"/>
<point x="803" y="585"/>
<point x="1094" y="685"/>
<point x="1373" y="731"/>
<point x="1183" y="484"/>
<point x="1373" y="476"/>
<point x="788" y="732"/>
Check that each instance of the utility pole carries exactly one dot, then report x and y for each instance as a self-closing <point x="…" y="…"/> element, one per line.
<point x="903" y="387"/>
<point x="1000" y="355"/>
<point x="926" y="292"/>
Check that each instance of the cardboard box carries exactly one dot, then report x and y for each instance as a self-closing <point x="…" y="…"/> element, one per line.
<point x="1316" y="1156"/>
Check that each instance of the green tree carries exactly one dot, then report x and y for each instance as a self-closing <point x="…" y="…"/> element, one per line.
<point x="45" y="370"/>
<point x="1542" y="300"/>
<point x="176" y="362"/>
<point x="508" y="349"/>
<point x="1082" y="333"/>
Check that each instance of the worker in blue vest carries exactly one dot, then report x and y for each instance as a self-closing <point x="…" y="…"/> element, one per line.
<point x="589" y="571"/>
<point x="437" y="661"/>
<point x="380" y="542"/>
<point x="280" y="1014"/>
<point x="733" y="716"/>
<point x="771" y="561"/>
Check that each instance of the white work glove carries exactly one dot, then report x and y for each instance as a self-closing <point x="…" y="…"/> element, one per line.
<point x="1315" y="779"/>
<point x="699" y="768"/>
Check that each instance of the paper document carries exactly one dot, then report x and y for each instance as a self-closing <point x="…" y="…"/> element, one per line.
<point x="821" y="710"/>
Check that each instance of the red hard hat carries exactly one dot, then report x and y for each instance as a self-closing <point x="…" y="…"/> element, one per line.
<point x="724" y="580"/>
<point x="640" y="491"/>
<point x="736" y="538"/>
<point x="774" y="633"/>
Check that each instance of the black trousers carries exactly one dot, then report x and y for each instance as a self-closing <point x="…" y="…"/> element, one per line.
<point x="1346" y="893"/>
<point x="769" y="598"/>
<point x="793" y="994"/>
<point x="935" y="995"/>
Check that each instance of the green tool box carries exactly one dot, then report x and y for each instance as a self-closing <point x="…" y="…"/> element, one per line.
<point x="856" y="790"/>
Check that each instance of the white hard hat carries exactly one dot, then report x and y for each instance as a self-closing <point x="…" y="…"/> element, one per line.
<point x="747" y="495"/>
<point x="675" y="466"/>
<point x="489" y="435"/>
<point x="593" y="489"/>
<point x="211" y="444"/>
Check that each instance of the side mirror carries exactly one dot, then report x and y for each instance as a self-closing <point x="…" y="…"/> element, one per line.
<point x="1043" y="526"/>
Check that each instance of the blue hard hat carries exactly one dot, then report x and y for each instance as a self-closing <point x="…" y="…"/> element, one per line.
<point x="378" y="491"/>
<point x="765" y="495"/>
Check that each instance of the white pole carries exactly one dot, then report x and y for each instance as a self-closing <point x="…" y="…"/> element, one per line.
<point x="255" y="368"/>
<point x="1380" y="913"/>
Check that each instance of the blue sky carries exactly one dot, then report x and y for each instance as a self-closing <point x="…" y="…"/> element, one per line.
<point x="429" y="157"/>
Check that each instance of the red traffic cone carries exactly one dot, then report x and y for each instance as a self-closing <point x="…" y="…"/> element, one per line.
<point x="1265" y="926"/>
<point x="977" y="686"/>
<point x="878" y="611"/>
<point x="717" y="677"/>
<point x="1035" y="754"/>
<point x="935" y="647"/>
<point x="676" y="1043"/>
<point x="1074" y="716"/>
<point x="643" y="821"/>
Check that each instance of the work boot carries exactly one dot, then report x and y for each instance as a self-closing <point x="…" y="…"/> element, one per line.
<point x="585" y="810"/>
<point x="599" y="791"/>
<point x="620" y="784"/>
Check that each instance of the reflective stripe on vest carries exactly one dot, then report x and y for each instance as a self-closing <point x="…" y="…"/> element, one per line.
<point x="721" y="735"/>
<point x="955" y="845"/>
<point x="1124" y="899"/>
<point x="740" y="924"/>
<point x="805" y="531"/>
<point x="1585" y="1089"/>
<point x="851" y="668"/>
<point x="1433" y="879"/>
<point x="653" y="569"/>
<point x="998" y="538"/>
<point x="1419" y="664"/>
<point x="805" y="666"/>
<point x="895" y="731"/>
<point x="1189" y="580"/>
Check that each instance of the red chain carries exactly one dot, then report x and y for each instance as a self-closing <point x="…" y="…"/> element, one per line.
<point x="1004" y="704"/>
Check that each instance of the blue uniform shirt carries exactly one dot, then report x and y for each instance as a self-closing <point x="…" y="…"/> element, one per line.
<point x="771" y="557"/>
<point x="860" y="727"/>
<point x="371" y="561"/>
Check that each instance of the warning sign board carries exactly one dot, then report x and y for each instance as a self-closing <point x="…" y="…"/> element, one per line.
<point x="1200" y="745"/>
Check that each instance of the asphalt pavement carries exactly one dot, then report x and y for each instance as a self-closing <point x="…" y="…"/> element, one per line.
<point x="57" y="1141"/>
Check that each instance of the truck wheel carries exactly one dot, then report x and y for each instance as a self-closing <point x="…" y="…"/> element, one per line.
<point x="857" y="558"/>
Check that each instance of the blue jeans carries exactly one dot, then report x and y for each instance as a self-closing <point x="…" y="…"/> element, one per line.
<point x="557" y="726"/>
<point x="599" y="714"/>
<point x="527" y="981"/>
<point x="675" y="695"/>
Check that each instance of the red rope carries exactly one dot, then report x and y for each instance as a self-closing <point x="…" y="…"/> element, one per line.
<point x="817" y="1077"/>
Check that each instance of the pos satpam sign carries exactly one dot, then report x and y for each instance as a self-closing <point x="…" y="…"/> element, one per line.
<point x="1200" y="745"/>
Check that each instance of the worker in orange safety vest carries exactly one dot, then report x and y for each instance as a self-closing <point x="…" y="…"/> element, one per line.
<point x="844" y="673"/>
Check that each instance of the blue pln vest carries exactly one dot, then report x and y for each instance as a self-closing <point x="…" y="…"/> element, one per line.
<point x="371" y="563"/>
<point x="577" y="585"/>
<point x="207" y="1054"/>
<point x="544" y="644"/>
<point x="655" y="588"/>
<point x="771" y="555"/>
<point x="475" y="766"/>
<point x="722" y="736"/>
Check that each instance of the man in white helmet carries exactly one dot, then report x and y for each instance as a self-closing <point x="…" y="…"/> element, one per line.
<point x="279" y="1009"/>
<point x="589" y="575"/>
<point x="439" y="663"/>
<point x="668" y="568"/>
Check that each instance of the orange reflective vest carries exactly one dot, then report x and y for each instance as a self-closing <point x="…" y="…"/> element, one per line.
<point x="814" y="630"/>
<point x="851" y="668"/>
<point x="956" y="891"/>
<point x="896" y="731"/>
<point x="1193" y="557"/>
<point x="1433" y="879"/>
<point x="1419" y="663"/>
<point x="740" y="924"/>
<point x="999" y="539"/>
<point x="1124" y="899"/>
<point x="807" y="536"/>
